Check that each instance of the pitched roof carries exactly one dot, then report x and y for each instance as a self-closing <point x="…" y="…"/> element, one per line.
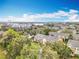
<point x="76" y="36"/>
<point x="58" y="34"/>
<point x="40" y="37"/>
<point x="73" y="43"/>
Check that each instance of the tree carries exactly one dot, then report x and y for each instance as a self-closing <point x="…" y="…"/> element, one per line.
<point x="2" y="54"/>
<point x="49" y="53"/>
<point x="15" y="46"/>
<point x="29" y="51"/>
<point x="62" y="49"/>
<point x="70" y="37"/>
<point x="7" y="37"/>
<point x="65" y="40"/>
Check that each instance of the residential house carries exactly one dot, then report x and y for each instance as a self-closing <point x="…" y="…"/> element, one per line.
<point x="76" y="37"/>
<point x="46" y="38"/>
<point x="58" y="34"/>
<point x="74" y="45"/>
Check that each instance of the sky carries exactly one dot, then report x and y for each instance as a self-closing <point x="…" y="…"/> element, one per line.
<point x="39" y="10"/>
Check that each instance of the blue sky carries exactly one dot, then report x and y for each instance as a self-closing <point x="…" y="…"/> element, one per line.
<point x="17" y="8"/>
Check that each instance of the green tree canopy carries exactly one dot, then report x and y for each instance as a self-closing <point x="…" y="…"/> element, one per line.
<point x="62" y="49"/>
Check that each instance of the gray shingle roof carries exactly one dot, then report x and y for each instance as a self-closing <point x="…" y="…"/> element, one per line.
<point x="76" y="36"/>
<point x="40" y="37"/>
<point x="58" y="34"/>
<point x="73" y="43"/>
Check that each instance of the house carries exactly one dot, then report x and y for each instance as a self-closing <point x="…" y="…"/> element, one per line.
<point x="20" y="27"/>
<point x="46" y="38"/>
<point x="76" y="37"/>
<point x="55" y="27"/>
<point x="74" y="45"/>
<point x="57" y="34"/>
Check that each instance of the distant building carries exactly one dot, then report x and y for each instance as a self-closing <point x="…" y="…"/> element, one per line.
<point x="38" y="24"/>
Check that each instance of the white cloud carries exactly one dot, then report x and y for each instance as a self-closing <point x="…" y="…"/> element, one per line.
<point x="73" y="11"/>
<point x="72" y="16"/>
